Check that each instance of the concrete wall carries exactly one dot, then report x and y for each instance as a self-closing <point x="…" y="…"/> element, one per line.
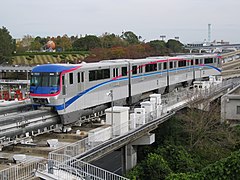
<point x="229" y="104"/>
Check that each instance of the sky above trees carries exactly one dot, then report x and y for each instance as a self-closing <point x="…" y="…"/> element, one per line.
<point x="186" y="19"/>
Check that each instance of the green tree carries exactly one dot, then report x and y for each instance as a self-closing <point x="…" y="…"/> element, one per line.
<point x="159" y="47"/>
<point x="226" y="168"/>
<point x="179" y="160"/>
<point x="35" y="46"/>
<point x="130" y="37"/>
<point x="175" y="46"/>
<point x="63" y="42"/>
<point x="87" y="43"/>
<point x="155" y="167"/>
<point x="112" y="40"/>
<point x="7" y="45"/>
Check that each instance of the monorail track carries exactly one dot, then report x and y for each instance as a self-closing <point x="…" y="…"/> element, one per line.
<point x="17" y="126"/>
<point x="4" y="111"/>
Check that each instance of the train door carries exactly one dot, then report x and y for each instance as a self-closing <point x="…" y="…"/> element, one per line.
<point x="115" y="72"/>
<point x="80" y="81"/>
<point x="64" y="89"/>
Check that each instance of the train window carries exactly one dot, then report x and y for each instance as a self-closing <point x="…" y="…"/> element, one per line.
<point x="63" y="80"/>
<point x="159" y="66"/>
<point x="182" y="63"/>
<point x="124" y="71"/>
<point x="191" y="61"/>
<point x="35" y="79"/>
<point x="170" y="65"/>
<point x="208" y="60"/>
<point x="196" y="61"/>
<point x="134" y="69"/>
<point x="150" y="67"/>
<point x="70" y="78"/>
<point x="63" y="84"/>
<point x="45" y="81"/>
<point x="99" y="74"/>
<point x="165" y="65"/>
<point x="78" y="77"/>
<point x="175" y="64"/>
<point x="82" y="76"/>
<point x="106" y="73"/>
<point x="115" y="72"/>
<point x="140" y="69"/>
<point x="92" y="76"/>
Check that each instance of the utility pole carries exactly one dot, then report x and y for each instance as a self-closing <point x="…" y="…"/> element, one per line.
<point x="111" y="95"/>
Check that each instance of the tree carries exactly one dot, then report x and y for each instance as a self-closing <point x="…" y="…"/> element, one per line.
<point x="155" y="167"/>
<point x="35" y="46"/>
<point x="226" y="168"/>
<point x="175" y="46"/>
<point x="112" y="40"/>
<point x="179" y="160"/>
<point x="159" y="47"/>
<point x="26" y="42"/>
<point x="63" y="42"/>
<point x="87" y="43"/>
<point x="204" y="133"/>
<point x="130" y="37"/>
<point x="7" y="45"/>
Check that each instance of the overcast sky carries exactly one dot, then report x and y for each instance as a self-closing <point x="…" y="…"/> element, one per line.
<point x="186" y="19"/>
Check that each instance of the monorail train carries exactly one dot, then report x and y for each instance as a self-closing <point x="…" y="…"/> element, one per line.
<point x="76" y="90"/>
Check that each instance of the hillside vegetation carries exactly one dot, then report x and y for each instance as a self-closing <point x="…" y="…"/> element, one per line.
<point x="192" y="145"/>
<point x="44" y="59"/>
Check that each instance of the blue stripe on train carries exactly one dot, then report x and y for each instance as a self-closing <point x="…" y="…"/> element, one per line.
<point x="70" y="101"/>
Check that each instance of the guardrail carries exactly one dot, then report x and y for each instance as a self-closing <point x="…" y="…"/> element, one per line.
<point x="20" y="171"/>
<point x="77" y="169"/>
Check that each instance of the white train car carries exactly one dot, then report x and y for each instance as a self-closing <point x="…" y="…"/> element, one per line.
<point x="75" y="90"/>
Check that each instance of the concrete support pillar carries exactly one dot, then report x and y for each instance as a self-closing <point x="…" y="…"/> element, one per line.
<point x="131" y="157"/>
<point x="129" y="152"/>
<point x="124" y="159"/>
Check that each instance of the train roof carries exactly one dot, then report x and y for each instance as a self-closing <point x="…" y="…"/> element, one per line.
<point x="54" y="67"/>
<point x="107" y="63"/>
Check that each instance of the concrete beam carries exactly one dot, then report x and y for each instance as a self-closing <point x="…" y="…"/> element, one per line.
<point x="147" y="139"/>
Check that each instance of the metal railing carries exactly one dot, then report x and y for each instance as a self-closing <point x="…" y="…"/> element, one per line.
<point x="71" y="168"/>
<point x="20" y="171"/>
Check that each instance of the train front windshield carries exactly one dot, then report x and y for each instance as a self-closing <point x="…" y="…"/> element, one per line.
<point x="45" y="79"/>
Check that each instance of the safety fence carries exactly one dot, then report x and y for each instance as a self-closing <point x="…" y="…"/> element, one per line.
<point x="71" y="168"/>
<point x="20" y="171"/>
